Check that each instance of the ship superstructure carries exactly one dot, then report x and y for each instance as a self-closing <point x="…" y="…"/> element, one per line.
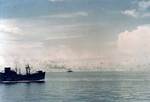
<point x="10" y="75"/>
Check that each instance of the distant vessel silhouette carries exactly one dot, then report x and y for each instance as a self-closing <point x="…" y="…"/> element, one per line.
<point x="69" y="70"/>
<point x="12" y="76"/>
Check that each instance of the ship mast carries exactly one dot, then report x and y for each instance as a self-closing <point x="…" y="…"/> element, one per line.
<point x="16" y="68"/>
<point x="28" y="69"/>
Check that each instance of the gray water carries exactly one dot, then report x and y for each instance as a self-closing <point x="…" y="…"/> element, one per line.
<point x="81" y="87"/>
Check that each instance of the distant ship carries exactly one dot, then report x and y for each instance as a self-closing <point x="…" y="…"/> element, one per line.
<point x="12" y="76"/>
<point x="69" y="70"/>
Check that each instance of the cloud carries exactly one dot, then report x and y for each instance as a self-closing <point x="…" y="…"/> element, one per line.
<point x="56" y="0"/>
<point x="139" y="10"/>
<point x="47" y="38"/>
<point x="134" y="47"/>
<point x="136" y="41"/>
<point x="67" y="15"/>
<point x="144" y="4"/>
<point x="146" y="15"/>
<point x="8" y="27"/>
<point x="131" y="12"/>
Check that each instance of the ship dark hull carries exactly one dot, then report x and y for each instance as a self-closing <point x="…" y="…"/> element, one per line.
<point x="13" y="77"/>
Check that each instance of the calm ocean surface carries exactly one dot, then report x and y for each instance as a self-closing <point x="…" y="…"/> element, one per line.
<point x="81" y="87"/>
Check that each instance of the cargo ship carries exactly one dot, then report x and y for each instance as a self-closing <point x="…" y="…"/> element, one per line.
<point x="10" y="75"/>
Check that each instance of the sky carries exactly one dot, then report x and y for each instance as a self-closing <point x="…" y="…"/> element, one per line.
<point x="78" y="33"/>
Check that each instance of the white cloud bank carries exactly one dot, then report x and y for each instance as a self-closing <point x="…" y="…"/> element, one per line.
<point x="137" y="40"/>
<point x="139" y="11"/>
<point x="134" y="46"/>
<point x="8" y="27"/>
<point x="132" y="13"/>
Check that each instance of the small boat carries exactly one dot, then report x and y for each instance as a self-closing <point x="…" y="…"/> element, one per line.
<point x="69" y="70"/>
<point x="9" y="75"/>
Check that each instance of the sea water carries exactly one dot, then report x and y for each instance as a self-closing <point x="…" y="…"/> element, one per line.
<point x="81" y="87"/>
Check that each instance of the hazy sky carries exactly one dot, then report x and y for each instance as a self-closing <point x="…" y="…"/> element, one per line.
<point x="107" y="31"/>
